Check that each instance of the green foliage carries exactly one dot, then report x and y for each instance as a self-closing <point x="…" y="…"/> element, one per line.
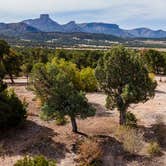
<point x="153" y="148"/>
<point x="4" y="48"/>
<point x="9" y="59"/>
<point x="2" y="70"/>
<point x="12" y="63"/>
<point x="35" y="161"/>
<point x="12" y="110"/>
<point x="88" y="80"/>
<point x="70" y="70"/>
<point x="48" y="113"/>
<point x="124" y="79"/>
<point x="26" y="69"/>
<point x="131" y="120"/>
<point x="60" y="120"/>
<point x="55" y="85"/>
<point x="31" y="56"/>
<point x="154" y="61"/>
<point x="83" y="58"/>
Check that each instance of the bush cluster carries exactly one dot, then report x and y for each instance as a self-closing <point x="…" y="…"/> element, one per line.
<point x="35" y="161"/>
<point x="12" y="110"/>
<point x="131" y="120"/>
<point x="153" y="148"/>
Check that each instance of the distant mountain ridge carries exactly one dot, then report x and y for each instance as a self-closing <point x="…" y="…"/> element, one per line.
<point x="16" y="29"/>
<point x="46" y="24"/>
<point x="147" y="33"/>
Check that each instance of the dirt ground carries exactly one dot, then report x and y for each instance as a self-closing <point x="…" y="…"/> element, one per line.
<point x="56" y="142"/>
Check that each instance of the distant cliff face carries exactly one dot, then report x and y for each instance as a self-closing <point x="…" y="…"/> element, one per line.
<point x="103" y="28"/>
<point x="45" y="24"/>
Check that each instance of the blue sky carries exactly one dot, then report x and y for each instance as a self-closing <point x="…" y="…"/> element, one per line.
<point x="126" y="13"/>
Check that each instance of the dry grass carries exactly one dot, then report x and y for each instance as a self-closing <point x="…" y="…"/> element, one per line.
<point x="131" y="139"/>
<point x="90" y="151"/>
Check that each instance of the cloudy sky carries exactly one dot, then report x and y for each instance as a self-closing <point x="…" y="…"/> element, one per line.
<point x="127" y="13"/>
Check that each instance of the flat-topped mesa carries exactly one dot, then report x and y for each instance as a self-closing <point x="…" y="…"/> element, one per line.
<point x="44" y="16"/>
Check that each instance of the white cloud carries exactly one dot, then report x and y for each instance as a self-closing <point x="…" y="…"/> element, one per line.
<point x="34" y="6"/>
<point x="153" y="8"/>
<point x="124" y="12"/>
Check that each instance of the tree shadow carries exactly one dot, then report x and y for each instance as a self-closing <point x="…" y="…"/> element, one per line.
<point x="19" y="84"/>
<point x="115" y="155"/>
<point x="160" y="92"/>
<point x="101" y="111"/>
<point x="32" y="139"/>
<point x="81" y="134"/>
<point x="156" y="132"/>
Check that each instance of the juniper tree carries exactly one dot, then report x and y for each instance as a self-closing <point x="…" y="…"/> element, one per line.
<point x="124" y="79"/>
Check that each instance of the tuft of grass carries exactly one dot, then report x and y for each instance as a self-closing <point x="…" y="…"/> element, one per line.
<point x="153" y="148"/>
<point x="131" y="139"/>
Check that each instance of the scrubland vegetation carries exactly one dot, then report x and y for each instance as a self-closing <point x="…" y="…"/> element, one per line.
<point x="59" y="81"/>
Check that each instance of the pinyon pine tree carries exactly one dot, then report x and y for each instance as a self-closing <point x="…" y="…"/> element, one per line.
<point x="58" y="94"/>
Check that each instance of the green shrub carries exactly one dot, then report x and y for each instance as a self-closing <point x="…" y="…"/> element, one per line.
<point x="35" y="161"/>
<point x="12" y="110"/>
<point x="153" y="148"/>
<point x="131" y="120"/>
<point x="88" y="80"/>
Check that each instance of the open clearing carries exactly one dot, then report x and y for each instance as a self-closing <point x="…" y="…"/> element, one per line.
<point x="40" y="137"/>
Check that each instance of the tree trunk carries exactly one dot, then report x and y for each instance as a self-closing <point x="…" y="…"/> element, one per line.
<point x="27" y="79"/>
<point x="74" y="124"/>
<point x="11" y="78"/>
<point x="121" y="109"/>
<point x="122" y="118"/>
